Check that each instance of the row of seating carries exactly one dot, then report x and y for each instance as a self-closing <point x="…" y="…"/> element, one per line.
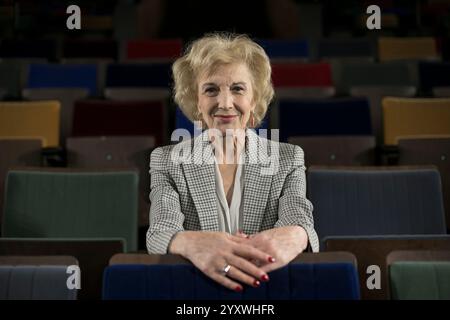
<point x="318" y="79"/>
<point x="407" y="274"/>
<point x="359" y="201"/>
<point x="134" y="152"/>
<point x="383" y="48"/>
<point x="399" y="117"/>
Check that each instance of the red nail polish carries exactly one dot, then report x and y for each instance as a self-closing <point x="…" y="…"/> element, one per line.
<point x="256" y="283"/>
<point x="238" y="289"/>
<point x="265" y="277"/>
<point x="271" y="259"/>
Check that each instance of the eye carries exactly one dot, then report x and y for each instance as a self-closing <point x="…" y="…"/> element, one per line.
<point x="211" y="91"/>
<point x="238" y="89"/>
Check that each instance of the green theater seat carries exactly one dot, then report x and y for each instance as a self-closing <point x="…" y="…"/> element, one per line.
<point x="62" y="203"/>
<point x="411" y="280"/>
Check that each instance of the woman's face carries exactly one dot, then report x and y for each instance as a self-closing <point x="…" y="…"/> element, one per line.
<point x="225" y="98"/>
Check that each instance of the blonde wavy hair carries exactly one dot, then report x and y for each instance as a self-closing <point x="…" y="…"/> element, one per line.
<point x="206" y="55"/>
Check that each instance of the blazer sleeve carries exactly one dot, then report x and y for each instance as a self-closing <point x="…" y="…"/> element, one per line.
<point x="293" y="206"/>
<point x="166" y="218"/>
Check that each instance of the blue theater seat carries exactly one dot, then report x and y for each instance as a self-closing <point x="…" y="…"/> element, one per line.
<point x="138" y="75"/>
<point x="368" y="201"/>
<point x="281" y="49"/>
<point x="343" y="116"/>
<point x="307" y="281"/>
<point x="63" y="76"/>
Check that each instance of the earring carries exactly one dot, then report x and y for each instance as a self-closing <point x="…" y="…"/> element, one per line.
<point x="253" y="120"/>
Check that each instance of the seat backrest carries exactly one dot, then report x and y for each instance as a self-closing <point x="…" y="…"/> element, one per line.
<point x="419" y="275"/>
<point x="371" y="252"/>
<point x="415" y="116"/>
<point x="154" y="49"/>
<point x="31" y="119"/>
<point x="116" y="152"/>
<point x="137" y="94"/>
<point x="98" y="49"/>
<point x="63" y="76"/>
<point x="67" y="98"/>
<point x="138" y="75"/>
<point x="388" y="74"/>
<point x="301" y="75"/>
<point x="345" y="48"/>
<point x="285" y="49"/>
<point x="92" y="256"/>
<point x="376" y="201"/>
<point x="340" y="116"/>
<point x="426" y="151"/>
<point x="120" y="118"/>
<point x="35" y="283"/>
<point x="69" y="204"/>
<point x="433" y="75"/>
<point x="29" y="48"/>
<point x="411" y="48"/>
<point x="337" y="150"/>
<point x="10" y="78"/>
<point x="309" y="281"/>
<point x="17" y="152"/>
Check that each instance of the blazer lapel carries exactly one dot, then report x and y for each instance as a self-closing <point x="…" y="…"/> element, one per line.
<point x="200" y="180"/>
<point x="256" y="185"/>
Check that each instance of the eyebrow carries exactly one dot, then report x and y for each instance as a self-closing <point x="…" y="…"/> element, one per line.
<point x="214" y="84"/>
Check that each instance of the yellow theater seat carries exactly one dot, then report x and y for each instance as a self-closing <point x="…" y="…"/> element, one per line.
<point x="405" y="117"/>
<point x="390" y="48"/>
<point x="38" y="119"/>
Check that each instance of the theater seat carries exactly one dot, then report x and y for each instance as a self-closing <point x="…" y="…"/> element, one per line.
<point x="366" y="201"/>
<point x="415" y="116"/>
<point x="153" y="49"/>
<point x="92" y="256"/>
<point x="374" y="250"/>
<point x="71" y="203"/>
<point x="35" y="283"/>
<point x="17" y="152"/>
<point x="428" y="150"/>
<point x="308" y="117"/>
<point x="310" y="276"/>
<point x="120" y="118"/>
<point x="116" y="152"/>
<point x="423" y="275"/>
<point x="39" y="120"/>
<point x="409" y="48"/>
<point x="337" y="150"/>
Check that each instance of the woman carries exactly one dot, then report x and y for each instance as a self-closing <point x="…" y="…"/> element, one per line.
<point x="233" y="220"/>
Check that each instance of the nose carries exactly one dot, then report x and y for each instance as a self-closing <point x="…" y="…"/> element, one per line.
<point x="225" y="100"/>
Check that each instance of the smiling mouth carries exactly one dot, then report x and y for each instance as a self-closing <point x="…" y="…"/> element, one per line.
<point x="225" y="116"/>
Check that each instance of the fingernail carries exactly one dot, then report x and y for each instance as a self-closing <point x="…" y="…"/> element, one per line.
<point x="240" y="230"/>
<point x="271" y="259"/>
<point x="265" y="277"/>
<point x="256" y="283"/>
<point x="238" y="289"/>
<point x="247" y="236"/>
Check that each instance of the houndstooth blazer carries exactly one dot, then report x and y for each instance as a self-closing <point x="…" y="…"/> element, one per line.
<point x="182" y="190"/>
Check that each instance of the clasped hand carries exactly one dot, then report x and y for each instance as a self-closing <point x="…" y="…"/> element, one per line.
<point x="233" y="260"/>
